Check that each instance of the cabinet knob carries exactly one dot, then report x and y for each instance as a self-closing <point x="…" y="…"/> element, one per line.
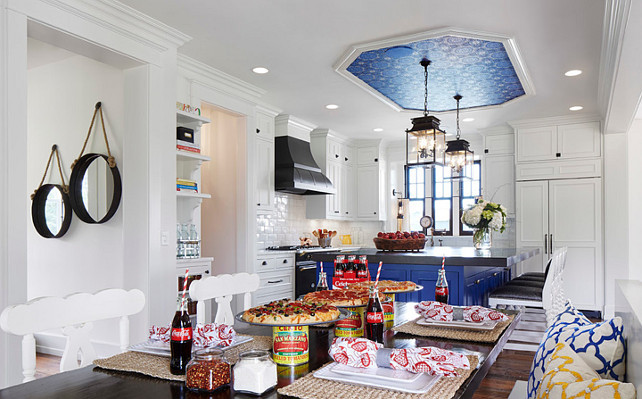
<point x="495" y="274"/>
<point x="286" y="261"/>
<point x="346" y="159"/>
<point x="375" y="213"/>
<point x="207" y="272"/>
<point x="478" y="281"/>
<point x="558" y="154"/>
<point x="258" y="131"/>
<point x="376" y="159"/>
<point x="347" y="212"/>
<point x="264" y="263"/>
<point x="336" y="155"/>
<point x="485" y="150"/>
<point x="259" y="204"/>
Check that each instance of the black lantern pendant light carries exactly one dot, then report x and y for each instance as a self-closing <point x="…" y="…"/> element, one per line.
<point x="425" y="142"/>
<point x="458" y="154"/>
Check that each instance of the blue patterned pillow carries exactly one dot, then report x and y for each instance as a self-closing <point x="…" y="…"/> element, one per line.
<point x="600" y="345"/>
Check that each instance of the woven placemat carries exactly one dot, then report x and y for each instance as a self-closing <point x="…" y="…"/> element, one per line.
<point x="310" y="387"/>
<point x="493" y="335"/>
<point x="158" y="366"/>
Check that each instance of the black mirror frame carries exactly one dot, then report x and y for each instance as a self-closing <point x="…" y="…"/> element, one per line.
<point x="38" y="211"/>
<point x="75" y="189"/>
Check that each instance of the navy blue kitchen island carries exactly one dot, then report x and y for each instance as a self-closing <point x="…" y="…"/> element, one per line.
<point x="471" y="274"/>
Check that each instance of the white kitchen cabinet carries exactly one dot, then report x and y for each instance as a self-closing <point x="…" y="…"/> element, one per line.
<point x="368" y="156"/>
<point x="264" y="126"/>
<point x="368" y="192"/>
<point x="499" y="180"/>
<point x="564" y="141"/>
<point x="565" y="213"/>
<point x="348" y="191"/>
<point x="501" y="144"/>
<point x="276" y="273"/>
<point x="264" y="175"/>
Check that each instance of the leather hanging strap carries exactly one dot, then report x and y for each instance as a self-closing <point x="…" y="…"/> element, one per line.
<point x="110" y="159"/>
<point x="65" y="188"/>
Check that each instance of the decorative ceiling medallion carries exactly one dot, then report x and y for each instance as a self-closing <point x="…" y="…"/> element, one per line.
<point x="486" y="69"/>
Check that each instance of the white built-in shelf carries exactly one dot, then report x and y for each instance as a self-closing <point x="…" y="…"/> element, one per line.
<point x="188" y="117"/>
<point x="187" y="194"/>
<point x="188" y="155"/>
<point x="192" y="261"/>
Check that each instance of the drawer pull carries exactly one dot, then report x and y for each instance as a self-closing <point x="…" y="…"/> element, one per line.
<point x="336" y="211"/>
<point x="478" y="281"/>
<point x="495" y="274"/>
<point x="264" y="263"/>
<point x="275" y="281"/>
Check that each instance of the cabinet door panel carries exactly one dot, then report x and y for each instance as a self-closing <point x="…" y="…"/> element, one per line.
<point x="576" y="223"/>
<point x="579" y="140"/>
<point x="499" y="180"/>
<point x="536" y="144"/>
<point x="532" y="221"/>
<point x="264" y="174"/>
<point x="347" y="195"/>
<point x="500" y="144"/>
<point x="368" y="192"/>
<point x="368" y="155"/>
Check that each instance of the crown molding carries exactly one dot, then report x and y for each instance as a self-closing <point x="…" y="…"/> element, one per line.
<point x="289" y="120"/>
<point x="510" y="45"/>
<point x="114" y="16"/>
<point x="268" y="109"/>
<point x="616" y="15"/>
<point x="208" y="76"/>
<point x="496" y="130"/>
<point x="554" y="120"/>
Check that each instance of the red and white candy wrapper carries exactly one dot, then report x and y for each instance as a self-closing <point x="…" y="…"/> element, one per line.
<point x="433" y="310"/>
<point x="159" y="333"/>
<point x="213" y="334"/>
<point x="478" y="314"/>
<point x="433" y="361"/>
<point x="355" y="352"/>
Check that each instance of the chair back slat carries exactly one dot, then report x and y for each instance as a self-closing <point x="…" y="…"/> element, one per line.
<point x="222" y="288"/>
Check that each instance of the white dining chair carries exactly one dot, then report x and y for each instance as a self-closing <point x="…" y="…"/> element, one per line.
<point x="222" y="288"/>
<point x="74" y="314"/>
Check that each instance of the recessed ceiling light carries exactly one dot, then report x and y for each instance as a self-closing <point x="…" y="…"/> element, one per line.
<point x="332" y="106"/>
<point x="468" y="119"/>
<point x="260" y="70"/>
<point x="573" y="72"/>
<point x="377" y="129"/>
<point x="576" y="108"/>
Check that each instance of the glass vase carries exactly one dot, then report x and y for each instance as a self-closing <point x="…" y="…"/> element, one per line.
<point x="482" y="239"/>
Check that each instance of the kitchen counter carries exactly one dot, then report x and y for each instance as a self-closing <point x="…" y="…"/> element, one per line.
<point x="455" y="256"/>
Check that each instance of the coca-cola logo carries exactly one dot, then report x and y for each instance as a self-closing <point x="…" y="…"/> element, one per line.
<point x="374" y="317"/>
<point x="441" y="291"/>
<point x="182" y="334"/>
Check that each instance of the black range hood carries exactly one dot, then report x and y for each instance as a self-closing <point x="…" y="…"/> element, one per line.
<point x="296" y="171"/>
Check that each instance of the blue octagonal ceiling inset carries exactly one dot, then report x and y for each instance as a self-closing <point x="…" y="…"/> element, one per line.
<point x="480" y="70"/>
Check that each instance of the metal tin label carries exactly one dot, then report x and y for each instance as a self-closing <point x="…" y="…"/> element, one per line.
<point x="352" y="326"/>
<point x="290" y="345"/>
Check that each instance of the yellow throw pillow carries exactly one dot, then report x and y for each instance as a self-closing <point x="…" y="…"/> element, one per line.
<point x="568" y="376"/>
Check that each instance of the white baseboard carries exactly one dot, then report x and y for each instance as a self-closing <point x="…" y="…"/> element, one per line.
<point x="54" y="344"/>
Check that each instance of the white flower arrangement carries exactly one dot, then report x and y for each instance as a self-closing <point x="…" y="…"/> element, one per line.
<point x="485" y="216"/>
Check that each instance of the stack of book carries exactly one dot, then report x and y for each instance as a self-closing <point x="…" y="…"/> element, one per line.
<point x="187" y="146"/>
<point x="186" y="185"/>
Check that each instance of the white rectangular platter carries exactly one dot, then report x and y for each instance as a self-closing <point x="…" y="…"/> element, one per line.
<point x="161" y="348"/>
<point x="459" y="324"/>
<point x="400" y="376"/>
<point x="420" y="385"/>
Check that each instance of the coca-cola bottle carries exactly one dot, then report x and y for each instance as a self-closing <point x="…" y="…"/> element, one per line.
<point x="374" y="317"/>
<point x="441" y="288"/>
<point x="322" y="285"/>
<point x="362" y="272"/>
<point x="181" y="341"/>
<point x="349" y="271"/>
<point x="338" y="266"/>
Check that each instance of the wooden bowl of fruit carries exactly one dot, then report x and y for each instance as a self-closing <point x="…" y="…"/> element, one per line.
<point x="400" y="241"/>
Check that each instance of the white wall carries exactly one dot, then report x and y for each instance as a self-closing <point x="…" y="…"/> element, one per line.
<point x="61" y="97"/>
<point x="634" y="143"/>
<point x="616" y="225"/>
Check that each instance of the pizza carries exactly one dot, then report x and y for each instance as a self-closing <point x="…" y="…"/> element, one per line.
<point x="339" y="297"/>
<point x="387" y="286"/>
<point x="291" y="312"/>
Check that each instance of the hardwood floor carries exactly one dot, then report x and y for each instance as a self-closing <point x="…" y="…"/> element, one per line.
<point x="510" y="366"/>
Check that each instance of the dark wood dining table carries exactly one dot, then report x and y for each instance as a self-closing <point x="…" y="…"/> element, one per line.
<point x="95" y="382"/>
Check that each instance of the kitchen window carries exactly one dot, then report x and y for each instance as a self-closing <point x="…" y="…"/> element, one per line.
<point x="431" y="192"/>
